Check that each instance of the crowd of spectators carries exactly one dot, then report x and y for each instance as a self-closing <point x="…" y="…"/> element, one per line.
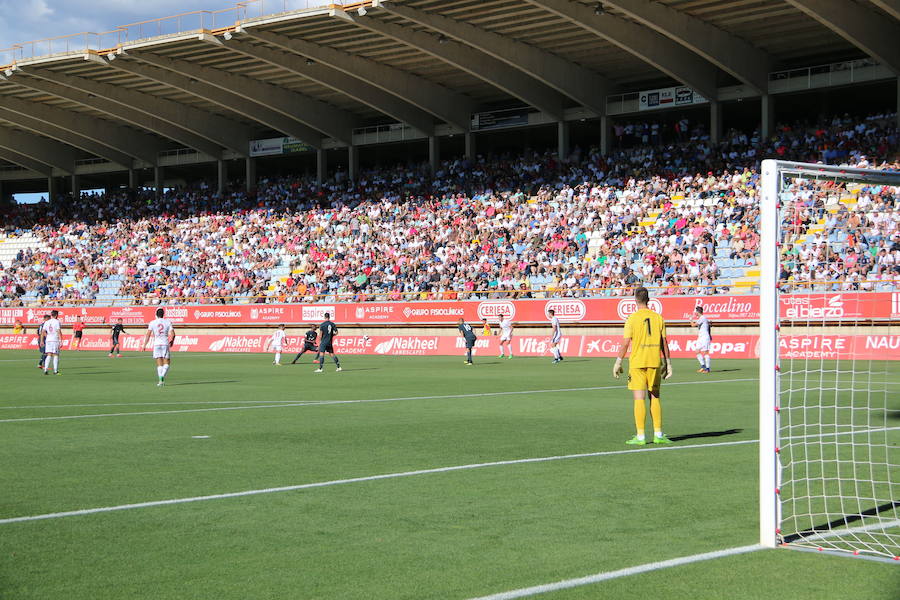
<point x="525" y="226"/>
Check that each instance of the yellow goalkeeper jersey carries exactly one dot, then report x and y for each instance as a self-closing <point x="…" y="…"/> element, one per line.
<point x="645" y="329"/>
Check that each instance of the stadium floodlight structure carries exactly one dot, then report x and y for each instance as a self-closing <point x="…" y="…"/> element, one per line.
<point x="829" y="407"/>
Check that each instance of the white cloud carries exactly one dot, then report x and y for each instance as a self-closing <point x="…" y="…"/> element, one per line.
<point x="26" y="20"/>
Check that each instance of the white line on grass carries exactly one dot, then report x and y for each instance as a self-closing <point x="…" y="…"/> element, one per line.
<point x="645" y="568"/>
<point x="363" y="401"/>
<point x="306" y="486"/>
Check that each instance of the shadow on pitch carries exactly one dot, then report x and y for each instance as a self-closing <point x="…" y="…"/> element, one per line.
<point x="846" y="520"/>
<point x="203" y="382"/>
<point x="726" y="370"/>
<point x="705" y="434"/>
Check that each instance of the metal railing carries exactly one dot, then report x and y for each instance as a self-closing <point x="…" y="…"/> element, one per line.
<point x="187" y="22"/>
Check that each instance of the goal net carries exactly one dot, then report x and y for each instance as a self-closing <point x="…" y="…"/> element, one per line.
<point x="829" y="360"/>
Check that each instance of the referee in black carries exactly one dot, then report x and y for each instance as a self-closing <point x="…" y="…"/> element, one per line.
<point x="117" y="330"/>
<point x="309" y="343"/>
<point x="328" y="331"/>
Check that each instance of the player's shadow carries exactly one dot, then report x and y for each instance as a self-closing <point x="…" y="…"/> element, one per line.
<point x="205" y="382"/>
<point x="705" y="434"/>
<point x="893" y="415"/>
<point x="726" y="370"/>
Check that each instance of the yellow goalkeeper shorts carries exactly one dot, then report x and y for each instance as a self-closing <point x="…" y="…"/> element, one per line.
<point x="644" y="378"/>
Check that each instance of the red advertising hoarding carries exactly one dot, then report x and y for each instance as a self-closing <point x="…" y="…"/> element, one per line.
<point x="814" y="347"/>
<point x="874" y="306"/>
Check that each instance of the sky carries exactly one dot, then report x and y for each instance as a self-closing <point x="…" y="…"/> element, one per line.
<point x="26" y="20"/>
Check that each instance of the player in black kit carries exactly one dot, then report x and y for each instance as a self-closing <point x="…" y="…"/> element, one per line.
<point x="309" y="343"/>
<point x="329" y="330"/>
<point x="117" y="330"/>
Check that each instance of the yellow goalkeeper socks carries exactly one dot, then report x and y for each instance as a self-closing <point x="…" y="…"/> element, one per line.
<point x="640" y="416"/>
<point x="656" y="414"/>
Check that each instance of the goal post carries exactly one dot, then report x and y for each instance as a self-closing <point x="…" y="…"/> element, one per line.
<point x="829" y="363"/>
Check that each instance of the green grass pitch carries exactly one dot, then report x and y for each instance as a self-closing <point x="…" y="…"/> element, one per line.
<point x="453" y="534"/>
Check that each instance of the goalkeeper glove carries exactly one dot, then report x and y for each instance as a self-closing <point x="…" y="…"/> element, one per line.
<point x="617" y="368"/>
<point x="669" y="370"/>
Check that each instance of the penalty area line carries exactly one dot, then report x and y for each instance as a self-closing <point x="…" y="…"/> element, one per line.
<point x="627" y="572"/>
<point x="289" y="404"/>
<point x="320" y="484"/>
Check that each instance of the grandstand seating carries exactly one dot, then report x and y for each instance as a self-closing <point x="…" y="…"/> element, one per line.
<point x="468" y="231"/>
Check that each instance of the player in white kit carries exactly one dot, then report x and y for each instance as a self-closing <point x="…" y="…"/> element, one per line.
<point x="704" y="338"/>
<point x="555" y="336"/>
<point x="163" y="335"/>
<point x="276" y="343"/>
<point x="506" y="326"/>
<point x="51" y="333"/>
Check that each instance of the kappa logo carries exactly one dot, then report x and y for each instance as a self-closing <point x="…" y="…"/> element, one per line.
<point x="566" y="310"/>
<point x="493" y="309"/>
<point x="628" y="306"/>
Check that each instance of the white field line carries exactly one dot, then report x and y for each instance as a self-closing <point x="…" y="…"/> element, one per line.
<point x="627" y="572"/>
<point x="363" y="401"/>
<point x="307" y="486"/>
<point x="100" y="355"/>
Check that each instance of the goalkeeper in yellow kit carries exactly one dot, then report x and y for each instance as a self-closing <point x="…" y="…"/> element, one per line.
<point x="645" y="334"/>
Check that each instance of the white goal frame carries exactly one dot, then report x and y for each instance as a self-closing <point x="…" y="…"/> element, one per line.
<point x="772" y="173"/>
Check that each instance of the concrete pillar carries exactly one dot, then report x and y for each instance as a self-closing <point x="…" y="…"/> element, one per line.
<point x="562" y="138"/>
<point x="434" y="152"/>
<point x="321" y="165"/>
<point x="132" y="179"/>
<point x="250" y="174"/>
<point x="221" y="176"/>
<point x="51" y="187"/>
<point x="767" y="115"/>
<point x="470" y="145"/>
<point x="605" y="134"/>
<point x="158" y="180"/>
<point x="715" y="121"/>
<point x="76" y="186"/>
<point x="352" y="162"/>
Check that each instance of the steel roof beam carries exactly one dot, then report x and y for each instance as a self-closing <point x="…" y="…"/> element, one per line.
<point x="97" y="136"/>
<point x="443" y="103"/>
<point x="578" y="83"/>
<point x="223" y="98"/>
<point x="468" y="59"/>
<point x="876" y="36"/>
<point x="26" y="162"/>
<point x="40" y="149"/>
<point x="67" y="137"/>
<point x="743" y="61"/>
<point x="147" y="111"/>
<point x="891" y="7"/>
<point x="655" y="49"/>
<point x="357" y="89"/>
<point x="315" y="116"/>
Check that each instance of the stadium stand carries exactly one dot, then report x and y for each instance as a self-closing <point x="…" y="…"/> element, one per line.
<point x="496" y="227"/>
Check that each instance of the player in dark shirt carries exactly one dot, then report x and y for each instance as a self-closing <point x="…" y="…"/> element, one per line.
<point x="466" y="331"/>
<point x="40" y="342"/>
<point x="328" y="330"/>
<point x="117" y="330"/>
<point x="309" y="343"/>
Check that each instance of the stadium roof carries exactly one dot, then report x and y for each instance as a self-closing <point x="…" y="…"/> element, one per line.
<point x="214" y="81"/>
